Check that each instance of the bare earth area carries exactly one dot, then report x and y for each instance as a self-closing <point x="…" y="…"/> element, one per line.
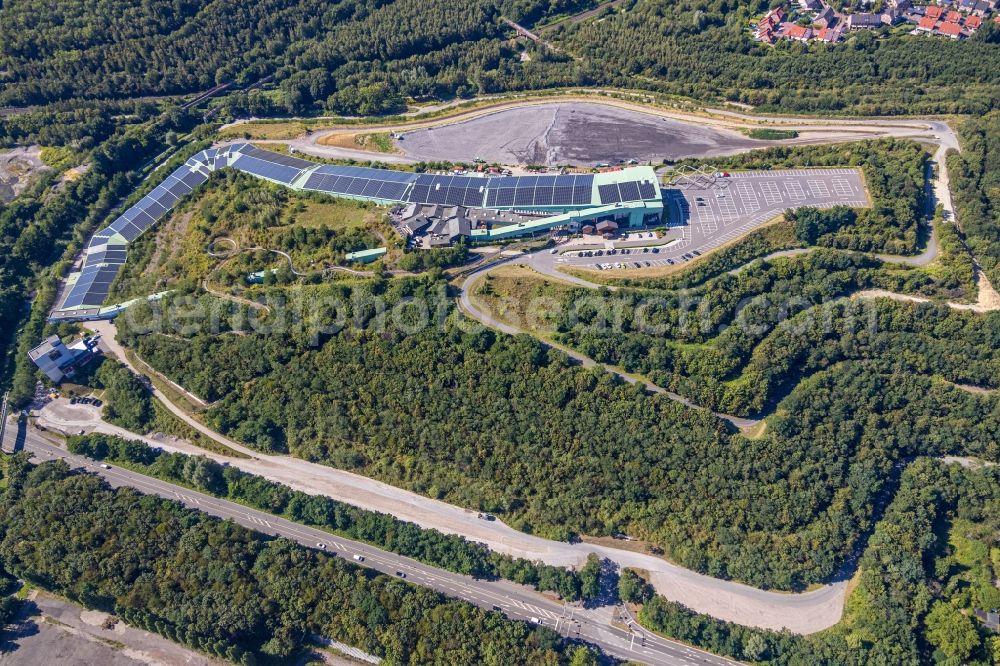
<point x="17" y="167"/>
<point x="56" y="632"/>
<point x="572" y="133"/>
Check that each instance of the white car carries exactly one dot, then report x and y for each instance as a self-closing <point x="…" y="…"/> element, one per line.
<point x="106" y="466"/>
<point x="359" y="558"/>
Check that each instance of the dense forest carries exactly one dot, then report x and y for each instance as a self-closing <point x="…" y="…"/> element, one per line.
<point x="448" y="551"/>
<point x="501" y="424"/>
<point x="975" y="180"/>
<point x="739" y="342"/>
<point x="926" y="567"/>
<point x="230" y="591"/>
<point x="363" y="57"/>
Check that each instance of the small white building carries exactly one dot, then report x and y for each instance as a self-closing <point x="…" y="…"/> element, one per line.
<point x="57" y="360"/>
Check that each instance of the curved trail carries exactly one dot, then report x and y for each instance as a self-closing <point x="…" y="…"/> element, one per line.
<point x="472" y="310"/>
<point x="285" y="255"/>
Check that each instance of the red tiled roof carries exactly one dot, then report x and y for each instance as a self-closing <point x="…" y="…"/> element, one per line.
<point x="974" y="22"/>
<point x="828" y="34"/>
<point x="933" y="11"/>
<point x="953" y="17"/>
<point x="927" y="23"/>
<point x="950" y="29"/>
<point x="797" y="32"/>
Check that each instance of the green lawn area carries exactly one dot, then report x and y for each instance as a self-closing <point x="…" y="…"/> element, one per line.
<point x="340" y="215"/>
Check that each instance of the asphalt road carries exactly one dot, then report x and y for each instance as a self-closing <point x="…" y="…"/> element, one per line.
<point x="592" y="626"/>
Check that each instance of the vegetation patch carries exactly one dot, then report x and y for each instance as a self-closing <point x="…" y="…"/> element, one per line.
<point x="975" y="182"/>
<point x="912" y="601"/>
<point x="520" y="297"/>
<point x="379" y="142"/>
<point x="260" y="220"/>
<point x="145" y="559"/>
<point x="770" y="134"/>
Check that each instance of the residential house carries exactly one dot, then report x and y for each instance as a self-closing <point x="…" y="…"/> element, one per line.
<point x="796" y="32"/>
<point x="767" y="25"/>
<point x="949" y="29"/>
<point x="826" y="18"/>
<point x="990" y="619"/>
<point x="863" y="21"/>
<point x="889" y="16"/>
<point x="933" y="11"/>
<point x="983" y="7"/>
<point x="829" y="35"/>
<point x="927" y="24"/>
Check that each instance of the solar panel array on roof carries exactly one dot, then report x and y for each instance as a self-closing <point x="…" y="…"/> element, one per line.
<point x="360" y="181"/>
<point x="630" y="190"/>
<point x="104" y="258"/>
<point x="535" y="191"/>
<point x="448" y="190"/>
<point x="92" y="287"/>
<point x="265" y="169"/>
<point x="609" y="193"/>
<point x="268" y="164"/>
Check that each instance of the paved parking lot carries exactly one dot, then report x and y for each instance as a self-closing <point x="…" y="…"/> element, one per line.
<point x="705" y="213"/>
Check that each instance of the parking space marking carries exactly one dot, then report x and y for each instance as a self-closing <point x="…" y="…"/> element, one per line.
<point x="818" y="189"/>
<point x="770" y="191"/>
<point x="709" y="222"/>
<point x="728" y="209"/>
<point x="842" y="188"/>
<point x="794" y="189"/>
<point x="749" y="198"/>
